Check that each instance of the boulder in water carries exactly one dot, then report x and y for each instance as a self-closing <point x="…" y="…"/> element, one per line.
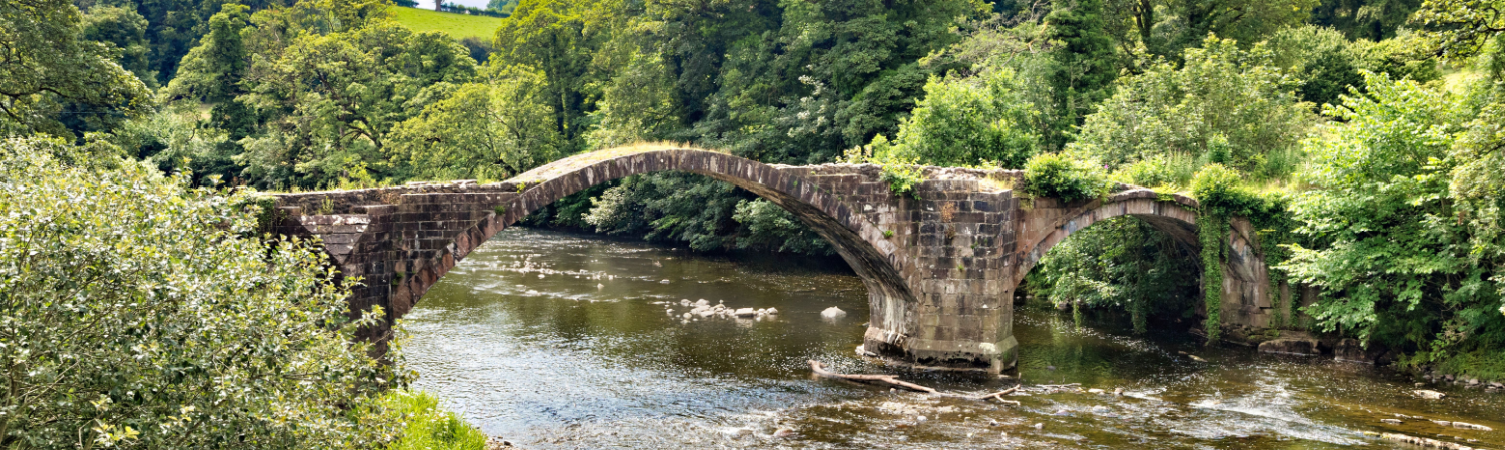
<point x="832" y="313"/>
<point x="746" y="312"/>
<point x="1305" y="347"/>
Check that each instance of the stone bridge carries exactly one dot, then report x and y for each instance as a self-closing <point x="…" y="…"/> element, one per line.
<point x="940" y="267"/>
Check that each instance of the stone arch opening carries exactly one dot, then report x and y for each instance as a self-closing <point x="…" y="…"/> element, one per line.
<point x="1246" y="296"/>
<point x="814" y="201"/>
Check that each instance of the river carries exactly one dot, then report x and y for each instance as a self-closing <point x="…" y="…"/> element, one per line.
<point x="558" y="340"/>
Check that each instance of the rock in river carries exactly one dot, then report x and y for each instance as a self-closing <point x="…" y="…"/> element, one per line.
<point x="1290" y="347"/>
<point x="1431" y="395"/>
<point x="746" y="312"/>
<point x="832" y="313"/>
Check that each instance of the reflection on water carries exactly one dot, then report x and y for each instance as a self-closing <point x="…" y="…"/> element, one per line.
<point x="555" y="340"/>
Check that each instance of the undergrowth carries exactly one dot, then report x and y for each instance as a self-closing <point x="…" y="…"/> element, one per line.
<point x="428" y="427"/>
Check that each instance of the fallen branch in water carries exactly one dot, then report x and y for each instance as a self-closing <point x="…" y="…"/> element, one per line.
<point x="999" y="395"/>
<point x="890" y="380"/>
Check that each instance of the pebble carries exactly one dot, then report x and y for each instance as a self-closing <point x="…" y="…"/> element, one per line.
<point x="1039" y="426"/>
<point x="772" y="311"/>
<point x="1096" y="391"/>
<point x="663" y="281"/>
<point x="1119" y="392"/>
<point x="1391" y="421"/>
<point x="783" y="433"/>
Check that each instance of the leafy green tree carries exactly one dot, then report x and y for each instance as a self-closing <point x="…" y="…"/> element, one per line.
<point x="332" y="100"/>
<point x="1086" y="62"/>
<point x="47" y="63"/>
<point x="1225" y="105"/>
<point x="1390" y="248"/>
<point x="1471" y="31"/>
<point x="491" y="129"/>
<point x="1328" y="65"/>
<point x="212" y="72"/>
<point x="766" y="226"/>
<point x="555" y="37"/>
<point x="986" y="119"/>
<point x="126" y="31"/>
<point x="136" y="313"/>
<point x="1364" y="19"/>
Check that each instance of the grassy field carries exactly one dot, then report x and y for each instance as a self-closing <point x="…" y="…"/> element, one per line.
<point x="458" y="26"/>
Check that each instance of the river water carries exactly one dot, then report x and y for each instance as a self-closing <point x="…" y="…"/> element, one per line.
<point x="557" y="340"/>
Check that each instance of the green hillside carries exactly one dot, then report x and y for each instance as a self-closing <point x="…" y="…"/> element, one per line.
<point x="459" y="26"/>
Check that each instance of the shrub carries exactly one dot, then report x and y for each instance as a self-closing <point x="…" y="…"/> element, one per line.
<point x="137" y="313"/>
<point x="1060" y="176"/>
<point x="1225" y="105"/>
<point x="1175" y="170"/>
<point x="971" y="121"/>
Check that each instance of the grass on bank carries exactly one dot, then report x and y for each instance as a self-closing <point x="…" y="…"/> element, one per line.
<point x="428" y="427"/>
<point x="458" y="26"/>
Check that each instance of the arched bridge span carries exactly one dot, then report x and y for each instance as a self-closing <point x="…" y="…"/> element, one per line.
<point x="940" y="267"/>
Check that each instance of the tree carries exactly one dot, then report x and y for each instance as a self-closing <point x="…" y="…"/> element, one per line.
<point x="985" y="119"/>
<point x="1086" y="62"/>
<point x="1225" y="105"/>
<point x="553" y="36"/>
<point x="332" y="100"/>
<point x="1364" y="19"/>
<point x="46" y="62"/>
<point x="491" y="129"/>
<point x="212" y="72"/>
<point x="136" y="313"/>
<point x="1389" y="246"/>
<point x="124" y="29"/>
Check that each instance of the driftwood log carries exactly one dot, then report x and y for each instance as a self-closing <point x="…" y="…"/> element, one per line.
<point x="895" y="382"/>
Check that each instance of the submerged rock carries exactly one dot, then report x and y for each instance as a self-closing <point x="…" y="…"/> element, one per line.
<point x="1304" y="347"/>
<point x="1431" y="395"/>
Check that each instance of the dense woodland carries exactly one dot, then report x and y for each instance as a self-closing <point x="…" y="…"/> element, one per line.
<point x="1362" y="137"/>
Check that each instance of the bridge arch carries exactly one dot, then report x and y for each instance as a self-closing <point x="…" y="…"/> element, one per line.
<point x="856" y="238"/>
<point x="1246" y="289"/>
